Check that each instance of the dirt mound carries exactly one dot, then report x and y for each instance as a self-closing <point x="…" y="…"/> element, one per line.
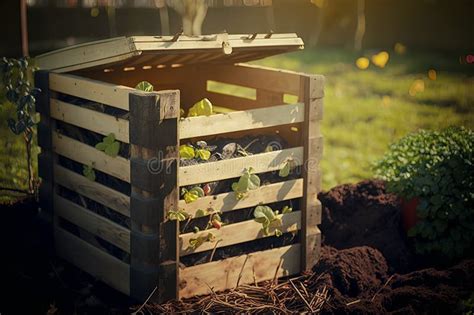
<point x="366" y="215"/>
<point x="359" y="283"/>
<point x="430" y="291"/>
<point x="354" y="272"/>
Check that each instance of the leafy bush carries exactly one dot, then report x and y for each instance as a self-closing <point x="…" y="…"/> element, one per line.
<point x="438" y="168"/>
<point x="16" y="88"/>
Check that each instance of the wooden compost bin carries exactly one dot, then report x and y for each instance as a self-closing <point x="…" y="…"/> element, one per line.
<point x="115" y="227"/>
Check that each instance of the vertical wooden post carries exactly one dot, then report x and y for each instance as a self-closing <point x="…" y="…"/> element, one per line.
<point x="154" y="160"/>
<point x="311" y="92"/>
<point x="46" y="157"/>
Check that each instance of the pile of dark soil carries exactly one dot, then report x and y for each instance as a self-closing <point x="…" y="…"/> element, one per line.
<point x="370" y="267"/>
<point x="365" y="215"/>
<point x="367" y="266"/>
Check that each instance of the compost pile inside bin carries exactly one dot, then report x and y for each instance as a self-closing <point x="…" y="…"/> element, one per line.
<point x="355" y="275"/>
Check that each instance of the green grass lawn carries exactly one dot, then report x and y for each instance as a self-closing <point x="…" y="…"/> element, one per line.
<point x="365" y="110"/>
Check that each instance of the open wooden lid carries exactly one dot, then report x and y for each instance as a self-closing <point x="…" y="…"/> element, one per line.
<point x="153" y="51"/>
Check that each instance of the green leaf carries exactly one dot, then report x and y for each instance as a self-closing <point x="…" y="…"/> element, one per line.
<point x="286" y="210"/>
<point x="88" y="172"/>
<point x="109" y="146"/>
<point x="203" y="154"/>
<point x="186" y="152"/>
<point x="197" y="190"/>
<point x="246" y="182"/>
<point x="113" y="149"/>
<point x="190" y="197"/>
<point x="200" y="213"/>
<point x="193" y="194"/>
<point x="264" y="212"/>
<point x="101" y="146"/>
<point x="109" y="139"/>
<point x="285" y="171"/>
<point x="201" y="108"/>
<point x="179" y="215"/>
<point x="278" y="233"/>
<point x="194" y="243"/>
<point x="145" y="86"/>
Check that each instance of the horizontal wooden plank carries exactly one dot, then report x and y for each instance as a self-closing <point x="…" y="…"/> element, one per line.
<point x="258" y="77"/>
<point x="93" y="223"/>
<point x="224" y="274"/>
<point x="265" y="194"/>
<point x="95" y="51"/>
<point x="75" y="150"/>
<point x="231" y="101"/>
<point x="99" y="264"/>
<point x="93" y="190"/>
<point x="237" y="233"/>
<point x="241" y="120"/>
<point x="90" y="119"/>
<point x="100" y="92"/>
<point x="213" y="171"/>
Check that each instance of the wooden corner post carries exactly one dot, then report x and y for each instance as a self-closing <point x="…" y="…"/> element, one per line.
<point x="311" y="93"/>
<point x="46" y="157"/>
<point x="154" y="157"/>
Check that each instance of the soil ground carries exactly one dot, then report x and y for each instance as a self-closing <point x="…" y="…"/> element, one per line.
<point x="367" y="264"/>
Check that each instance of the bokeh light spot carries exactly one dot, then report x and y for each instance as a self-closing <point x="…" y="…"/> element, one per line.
<point x="400" y="48"/>
<point x="362" y="63"/>
<point x="95" y="12"/>
<point x="380" y="59"/>
<point x="386" y="100"/>
<point x="418" y="86"/>
<point x="432" y="75"/>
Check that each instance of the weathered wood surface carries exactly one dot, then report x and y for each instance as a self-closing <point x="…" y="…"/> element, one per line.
<point x="237" y="233"/>
<point x="93" y="223"/>
<point x="255" y="267"/>
<point x="312" y="88"/>
<point x="265" y="194"/>
<point x="90" y="119"/>
<point x="85" y="154"/>
<point x="241" y="120"/>
<point x="94" y="261"/>
<point x="92" y="190"/>
<point x="224" y="169"/>
<point x="100" y="92"/>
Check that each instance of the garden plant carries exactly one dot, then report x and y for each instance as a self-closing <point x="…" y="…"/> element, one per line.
<point x="437" y="167"/>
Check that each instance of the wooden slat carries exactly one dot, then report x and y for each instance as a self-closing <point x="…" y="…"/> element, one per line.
<point x="213" y="171"/>
<point x="312" y="89"/>
<point x="97" y="51"/>
<point x="93" y="223"/>
<point x="237" y="233"/>
<point x="265" y="194"/>
<point x="75" y="150"/>
<point x="241" y="120"/>
<point x="105" y="93"/>
<point x="90" y="119"/>
<point x="93" y="190"/>
<point x="231" y="101"/>
<point x="258" y="77"/>
<point x="101" y="265"/>
<point x="222" y="275"/>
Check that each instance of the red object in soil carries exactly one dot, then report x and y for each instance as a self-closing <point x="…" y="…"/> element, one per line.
<point x="409" y="217"/>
